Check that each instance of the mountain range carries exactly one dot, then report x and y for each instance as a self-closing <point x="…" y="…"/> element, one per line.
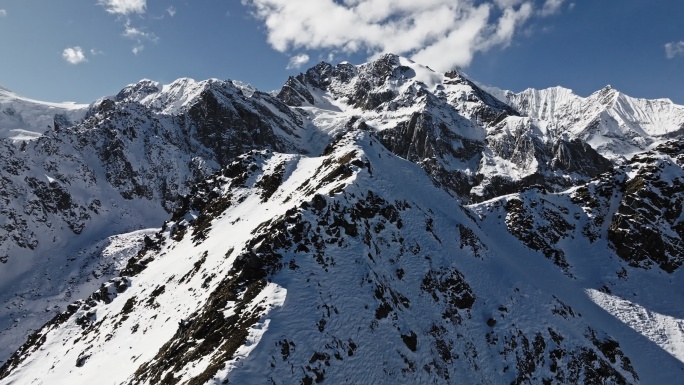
<point x="373" y="223"/>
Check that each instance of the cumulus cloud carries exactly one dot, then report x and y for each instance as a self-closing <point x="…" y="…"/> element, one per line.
<point x="443" y="33"/>
<point x="674" y="48"/>
<point x="3" y="13"/>
<point x="171" y="10"/>
<point x="137" y="49"/>
<point x="74" y="55"/>
<point x="297" y="61"/>
<point x="552" y="7"/>
<point x="124" y="7"/>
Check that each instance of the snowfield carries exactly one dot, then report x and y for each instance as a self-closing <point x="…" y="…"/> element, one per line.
<point x="24" y="119"/>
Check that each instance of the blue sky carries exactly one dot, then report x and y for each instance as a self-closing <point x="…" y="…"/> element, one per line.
<point x="79" y="50"/>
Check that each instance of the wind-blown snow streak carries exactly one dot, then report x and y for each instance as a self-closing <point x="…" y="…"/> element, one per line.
<point x="664" y="330"/>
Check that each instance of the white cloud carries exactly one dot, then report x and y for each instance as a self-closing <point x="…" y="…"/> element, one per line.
<point x="95" y="52"/>
<point x="124" y="7"/>
<point x="74" y="55"/>
<point x="137" y="34"/>
<point x="441" y="33"/>
<point x="171" y="10"/>
<point x="552" y="7"/>
<point x="3" y="13"/>
<point x="674" y="48"/>
<point x="297" y="61"/>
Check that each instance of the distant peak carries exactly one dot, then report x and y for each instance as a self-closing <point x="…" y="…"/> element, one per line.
<point x="147" y="81"/>
<point x="392" y="58"/>
<point x="455" y="74"/>
<point x="321" y="66"/>
<point x="607" y="89"/>
<point x="606" y="95"/>
<point x="182" y="82"/>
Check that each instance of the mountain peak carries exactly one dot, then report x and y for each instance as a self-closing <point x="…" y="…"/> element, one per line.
<point x="607" y="95"/>
<point x="138" y="91"/>
<point x="365" y="86"/>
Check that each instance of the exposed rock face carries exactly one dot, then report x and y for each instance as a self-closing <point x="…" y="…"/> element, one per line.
<point x="576" y="156"/>
<point x="539" y="233"/>
<point x="647" y="229"/>
<point x="520" y="157"/>
<point x="423" y="142"/>
<point x="365" y="87"/>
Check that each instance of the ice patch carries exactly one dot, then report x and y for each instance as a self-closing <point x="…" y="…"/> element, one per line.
<point x="19" y="135"/>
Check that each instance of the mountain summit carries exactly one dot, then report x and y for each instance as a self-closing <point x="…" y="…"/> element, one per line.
<point x="374" y="223"/>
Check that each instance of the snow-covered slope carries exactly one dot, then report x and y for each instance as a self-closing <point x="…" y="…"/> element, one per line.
<point x="620" y="235"/>
<point x="25" y="119"/>
<point x="321" y="235"/>
<point x="122" y="169"/>
<point x="346" y="267"/>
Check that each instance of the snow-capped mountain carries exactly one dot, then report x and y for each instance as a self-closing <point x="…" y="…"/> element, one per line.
<point x="375" y="223"/>
<point x="121" y="169"/>
<point x="473" y="144"/>
<point x="613" y="123"/>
